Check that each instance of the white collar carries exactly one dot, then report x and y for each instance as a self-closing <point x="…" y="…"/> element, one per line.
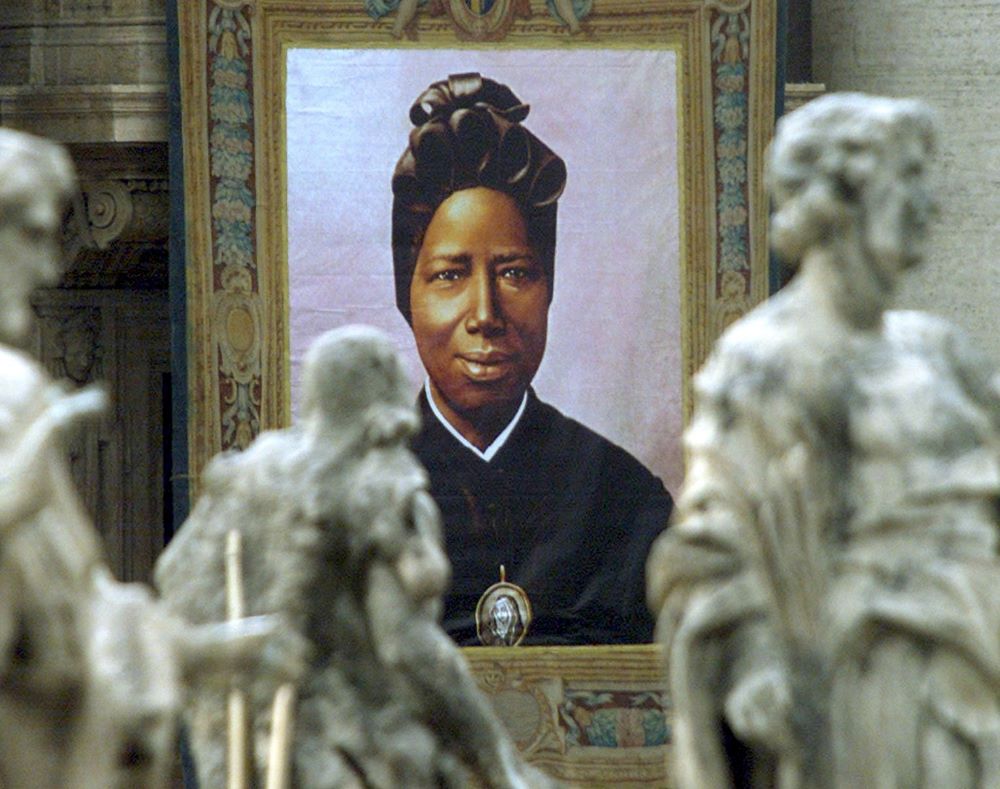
<point x="498" y="442"/>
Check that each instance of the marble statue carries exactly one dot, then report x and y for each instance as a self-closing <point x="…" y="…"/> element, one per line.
<point x="829" y="594"/>
<point x="91" y="671"/>
<point x="342" y="541"/>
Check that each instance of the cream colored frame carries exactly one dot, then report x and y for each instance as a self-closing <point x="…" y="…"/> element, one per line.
<point x="232" y="86"/>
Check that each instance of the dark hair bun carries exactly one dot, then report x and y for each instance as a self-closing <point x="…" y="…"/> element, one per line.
<point x="467" y="132"/>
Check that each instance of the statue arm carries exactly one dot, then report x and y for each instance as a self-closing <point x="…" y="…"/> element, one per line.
<point x="706" y="592"/>
<point x="256" y="645"/>
<point x="979" y="374"/>
<point x="28" y="485"/>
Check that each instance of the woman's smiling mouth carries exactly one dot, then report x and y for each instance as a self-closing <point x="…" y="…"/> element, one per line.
<point x="485" y="366"/>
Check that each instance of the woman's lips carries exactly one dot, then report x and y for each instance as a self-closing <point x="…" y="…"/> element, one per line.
<point x="485" y="367"/>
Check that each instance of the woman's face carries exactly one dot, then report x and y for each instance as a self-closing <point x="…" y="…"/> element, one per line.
<point x="479" y="301"/>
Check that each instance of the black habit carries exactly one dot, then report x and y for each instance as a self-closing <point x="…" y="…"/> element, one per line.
<point x="570" y="515"/>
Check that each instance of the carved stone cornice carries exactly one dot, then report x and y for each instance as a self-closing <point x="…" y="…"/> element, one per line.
<point x="117" y="160"/>
<point x="107" y="113"/>
<point x="76" y="32"/>
<point x="116" y="234"/>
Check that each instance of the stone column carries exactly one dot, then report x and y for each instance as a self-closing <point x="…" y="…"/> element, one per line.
<point x="944" y="51"/>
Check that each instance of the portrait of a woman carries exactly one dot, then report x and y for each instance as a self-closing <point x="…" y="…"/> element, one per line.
<point x="568" y="514"/>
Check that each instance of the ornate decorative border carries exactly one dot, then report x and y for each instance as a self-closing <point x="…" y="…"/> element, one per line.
<point x="232" y="78"/>
<point x="236" y="319"/>
<point x="491" y="25"/>
<point x="590" y="716"/>
<point x="615" y="718"/>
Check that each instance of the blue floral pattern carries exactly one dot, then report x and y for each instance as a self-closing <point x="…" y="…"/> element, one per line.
<point x="231" y="165"/>
<point x="730" y="64"/>
<point x="230" y="142"/>
<point x="614" y="719"/>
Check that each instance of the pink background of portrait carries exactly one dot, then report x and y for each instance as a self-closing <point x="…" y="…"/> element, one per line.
<point x="613" y="359"/>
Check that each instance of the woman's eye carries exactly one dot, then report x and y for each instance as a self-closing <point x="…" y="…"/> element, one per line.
<point x="518" y="274"/>
<point x="448" y="275"/>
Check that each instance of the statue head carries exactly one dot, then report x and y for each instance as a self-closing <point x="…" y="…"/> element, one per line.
<point x="354" y="386"/>
<point x="36" y="184"/>
<point x="850" y="167"/>
<point x="77" y="346"/>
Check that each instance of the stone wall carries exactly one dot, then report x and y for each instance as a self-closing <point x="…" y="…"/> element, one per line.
<point x="93" y="74"/>
<point x="84" y="70"/>
<point x="946" y="52"/>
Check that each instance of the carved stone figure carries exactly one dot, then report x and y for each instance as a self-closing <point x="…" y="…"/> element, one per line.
<point x="91" y="671"/>
<point x="37" y="182"/>
<point x="77" y="347"/>
<point x="342" y="540"/>
<point x="828" y="596"/>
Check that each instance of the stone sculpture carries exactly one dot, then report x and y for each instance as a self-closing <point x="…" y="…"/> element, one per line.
<point x="341" y="540"/>
<point x="91" y="671"/>
<point x="828" y="596"/>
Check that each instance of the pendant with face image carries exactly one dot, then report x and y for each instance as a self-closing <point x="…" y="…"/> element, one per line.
<point x="503" y="614"/>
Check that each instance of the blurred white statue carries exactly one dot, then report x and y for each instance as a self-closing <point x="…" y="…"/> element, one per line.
<point x="342" y="540"/>
<point x="91" y="671"/>
<point x="829" y="595"/>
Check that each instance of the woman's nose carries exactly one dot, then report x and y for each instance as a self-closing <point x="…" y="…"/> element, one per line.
<point x="485" y="314"/>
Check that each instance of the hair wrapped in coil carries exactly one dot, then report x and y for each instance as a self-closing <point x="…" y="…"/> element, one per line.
<point x="468" y="133"/>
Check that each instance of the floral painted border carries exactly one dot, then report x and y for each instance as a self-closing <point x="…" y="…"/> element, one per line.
<point x="614" y="719"/>
<point x="235" y="288"/>
<point x="730" y="112"/>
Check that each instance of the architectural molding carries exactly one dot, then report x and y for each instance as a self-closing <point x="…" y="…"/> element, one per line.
<point x="120" y="33"/>
<point x="89" y="113"/>
<point x="117" y="231"/>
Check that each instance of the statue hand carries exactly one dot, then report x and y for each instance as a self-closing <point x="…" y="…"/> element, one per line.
<point x="69" y="409"/>
<point x="758" y="709"/>
<point x="286" y="652"/>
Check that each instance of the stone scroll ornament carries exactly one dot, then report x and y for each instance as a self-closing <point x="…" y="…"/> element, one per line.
<point x="828" y="594"/>
<point x="92" y="671"/>
<point x="341" y="541"/>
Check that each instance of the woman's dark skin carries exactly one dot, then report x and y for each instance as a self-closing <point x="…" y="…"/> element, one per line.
<point x="479" y="301"/>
